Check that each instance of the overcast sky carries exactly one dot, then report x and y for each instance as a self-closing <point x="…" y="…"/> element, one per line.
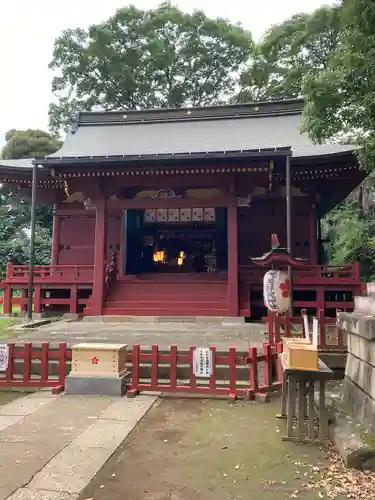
<point x="28" y="29"/>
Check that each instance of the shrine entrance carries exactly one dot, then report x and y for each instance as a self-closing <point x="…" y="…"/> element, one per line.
<point x="175" y="241"/>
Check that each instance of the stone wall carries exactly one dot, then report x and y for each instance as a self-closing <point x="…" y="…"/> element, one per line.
<point x="359" y="384"/>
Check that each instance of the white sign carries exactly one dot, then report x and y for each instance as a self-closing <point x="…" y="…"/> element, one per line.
<point x="315" y="332"/>
<point x="4" y="357"/>
<point x="202" y="362"/>
<point x="306" y="326"/>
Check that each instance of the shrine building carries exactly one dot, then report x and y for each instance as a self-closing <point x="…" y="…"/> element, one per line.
<point x="160" y="212"/>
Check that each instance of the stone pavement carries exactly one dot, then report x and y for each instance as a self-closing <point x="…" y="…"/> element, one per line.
<point x="52" y="446"/>
<point x="150" y="332"/>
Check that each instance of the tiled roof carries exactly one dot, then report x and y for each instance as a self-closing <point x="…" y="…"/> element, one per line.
<point x="25" y="163"/>
<point x="192" y="137"/>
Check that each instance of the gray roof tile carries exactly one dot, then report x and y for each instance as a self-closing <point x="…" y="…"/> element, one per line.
<point x="25" y="163"/>
<point x="194" y="136"/>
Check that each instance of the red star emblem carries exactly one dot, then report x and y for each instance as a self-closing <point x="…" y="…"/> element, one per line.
<point x="94" y="360"/>
<point x="285" y="289"/>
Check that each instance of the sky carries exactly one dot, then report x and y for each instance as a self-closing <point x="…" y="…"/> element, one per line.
<point x="28" y="29"/>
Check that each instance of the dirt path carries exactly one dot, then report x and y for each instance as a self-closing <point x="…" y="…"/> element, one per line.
<point x="193" y="449"/>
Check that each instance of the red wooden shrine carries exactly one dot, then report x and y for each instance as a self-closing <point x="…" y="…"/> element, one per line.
<point x="161" y="212"/>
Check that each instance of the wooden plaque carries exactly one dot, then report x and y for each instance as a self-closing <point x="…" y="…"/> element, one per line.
<point x="197" y="214"/>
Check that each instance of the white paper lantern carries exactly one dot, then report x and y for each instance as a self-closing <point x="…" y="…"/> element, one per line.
<point x="276" y="291"/>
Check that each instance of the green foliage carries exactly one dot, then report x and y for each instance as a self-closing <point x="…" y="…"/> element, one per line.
<point x="352" y="237"/>
<point x="141" y="59"/>
<point x="288" y="52"/>
<point x="342" y="96"/>
<point x="28" y="144"/>
<point x="15" y="209"/>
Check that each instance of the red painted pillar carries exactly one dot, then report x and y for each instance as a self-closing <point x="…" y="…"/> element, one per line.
<point x="313" y="236"/>
<point x="7" y="300"/>
<point x="37" y="299"/>
<point x="99" y="258"/>
<point x="73" y="307"/>
<point x="55" y="239"/>
<point x="233" y="258"/>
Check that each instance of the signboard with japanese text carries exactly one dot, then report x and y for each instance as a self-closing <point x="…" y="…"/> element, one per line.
<point x="202" y="362"/>
<point x="4" y="357"/>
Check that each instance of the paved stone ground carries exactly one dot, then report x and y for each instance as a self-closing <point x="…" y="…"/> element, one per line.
<point x="52" y="446"/>
<point x="148" y="333"/>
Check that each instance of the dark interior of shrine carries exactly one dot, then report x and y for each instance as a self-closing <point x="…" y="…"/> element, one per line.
<point x="189" y="240"/>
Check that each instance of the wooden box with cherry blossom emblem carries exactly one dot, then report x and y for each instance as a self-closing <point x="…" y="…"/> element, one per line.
<point x="99" y="360"/>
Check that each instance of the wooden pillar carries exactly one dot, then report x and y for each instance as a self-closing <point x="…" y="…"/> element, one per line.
<point x="55" y="239"/>
<point x="313" y="236"/>
<point x="73" y="306"/>
<point x="99" y="258"/>
<point x="37" y="299"/>
<point x="7" y="300"/>
<point x="233" y="258"/>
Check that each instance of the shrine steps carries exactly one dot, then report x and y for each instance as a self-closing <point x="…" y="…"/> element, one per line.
<point x="152" y="298"/>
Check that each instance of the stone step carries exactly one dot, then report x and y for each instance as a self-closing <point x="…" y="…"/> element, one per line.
<point x="364" y="305"/>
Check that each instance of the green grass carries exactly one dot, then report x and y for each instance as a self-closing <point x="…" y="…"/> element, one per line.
<point x="5" y="325"/>
<point x="15" y="309"/>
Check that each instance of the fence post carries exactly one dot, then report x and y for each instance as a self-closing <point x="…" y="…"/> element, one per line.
<point x="253" y="368"/>
<point x="340" y="333"/>
<point x="271" y="326"/>
<point x="232" y="373"/>
<point x="7" y="303"/>
<point x="322" y="329"/>
<point x="268" y="362"/>
<point x="173" y="368"/>
<point x="26" y="362"/>
<point x="287" y="327"/>
<point x="9" y="375"/>
<point x="134" y="384"/>
<point x="44" y="362"/>
<point x="62" y="366"/>
<point x="154" y="366"/>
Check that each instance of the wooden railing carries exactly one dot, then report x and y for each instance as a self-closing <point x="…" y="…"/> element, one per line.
<point x="110" y="274"/>
<point x="49" y="274"/>
<point x="308" y="274"/>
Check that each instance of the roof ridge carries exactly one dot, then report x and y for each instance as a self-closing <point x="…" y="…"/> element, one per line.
<point x="247" y="110"/>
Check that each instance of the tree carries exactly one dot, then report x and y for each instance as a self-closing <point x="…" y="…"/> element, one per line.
<point x="342" y="97"/>
<point x="28" y="144"/>
<point x="15" y="209"/>
<point x="141" y="59"/>
<point x="289" y="51"/>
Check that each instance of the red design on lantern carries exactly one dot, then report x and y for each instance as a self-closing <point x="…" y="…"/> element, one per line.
<point x="94" y="360"/>
<point x="285" y="289"/>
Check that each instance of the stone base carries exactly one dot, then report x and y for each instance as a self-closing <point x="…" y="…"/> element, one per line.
<point x="96" y="386"/>
<point x="359" y="404"/>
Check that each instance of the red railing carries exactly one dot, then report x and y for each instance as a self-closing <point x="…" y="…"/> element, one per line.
<point x="247" y="375"/>
<point x="27" y="375"/>
<point x="331" y="338"/>
<point x="308" y="274"/>
<point x="49" y="274"/>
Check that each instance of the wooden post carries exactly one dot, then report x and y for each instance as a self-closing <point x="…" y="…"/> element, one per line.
<point x="73" y="306"/>
<point x="37" y="299"/>
<point x="233" y="258"/>
<point x="7" y="304"/>
<point x="32" y="246"/>
<point x="99" y="258"/>
<point x="313" y="236"/>
<point x="55" y="239"/>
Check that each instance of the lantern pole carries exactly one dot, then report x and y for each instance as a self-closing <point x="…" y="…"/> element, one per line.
<point x="288" y="196"/>
<point x="30" y="292"/>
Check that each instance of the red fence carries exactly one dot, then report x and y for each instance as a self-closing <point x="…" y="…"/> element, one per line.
<point x="27" y="355"/>
<point x="262" y="372"/>
<point x="50" y="274"/>
<point x="331" y="338"/>
<point x="233" y="374"/>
